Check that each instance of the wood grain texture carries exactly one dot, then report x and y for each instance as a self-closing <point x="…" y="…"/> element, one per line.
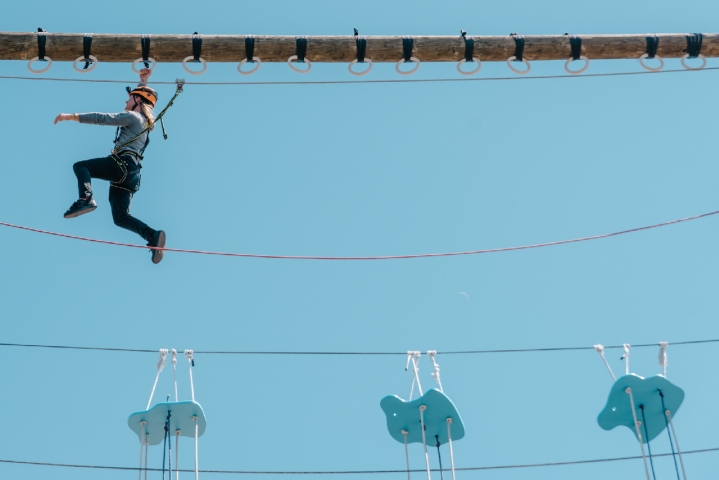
<point x="231" y="48"/>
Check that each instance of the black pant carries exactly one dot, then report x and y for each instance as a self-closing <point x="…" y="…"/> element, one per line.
<point x="124" y="176"/>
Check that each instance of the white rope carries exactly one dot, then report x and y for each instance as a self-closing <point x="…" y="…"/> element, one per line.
<point x="451" y="452"/>
<point x="406" y="451"/>
<point x="625" y="357"/>
<point x="160" y="366"/>
<point x="142" y="446"/>
<point x="174" y="370"/>
<point x="663" y="361"/>
<point x="422" y="408"/>
<point x="147" y="444"/>
<point x="177" y="455"/>
<point x="431" y="354"/>
<point x="197" y="471"/>
<point x="636" y="426"/>
<point x="414" y="357"/>
<point x="676" y="441"/>
<point x="191" y="362"/>
<point x="600" y="350"/>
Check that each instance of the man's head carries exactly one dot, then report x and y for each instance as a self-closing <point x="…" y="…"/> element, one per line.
<point x="140" y="96"/>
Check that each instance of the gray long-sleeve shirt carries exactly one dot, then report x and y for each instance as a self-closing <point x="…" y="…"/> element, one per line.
<point x="130" y="125"/>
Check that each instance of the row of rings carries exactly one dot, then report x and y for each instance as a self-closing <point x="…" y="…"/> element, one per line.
<point x="290" y="60"/>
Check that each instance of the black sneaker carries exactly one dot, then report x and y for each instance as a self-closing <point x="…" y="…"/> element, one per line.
<point x="81" y="207"/>
<point x="157" y="240"/>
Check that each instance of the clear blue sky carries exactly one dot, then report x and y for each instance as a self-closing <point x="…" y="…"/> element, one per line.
<point x="363" y="170"/>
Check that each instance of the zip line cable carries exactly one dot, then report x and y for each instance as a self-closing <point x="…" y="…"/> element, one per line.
<point x="455" y="352"/>
<point x="383" y="257"/>
<point x="357" y="472"/>
<point x="349" y="82"/>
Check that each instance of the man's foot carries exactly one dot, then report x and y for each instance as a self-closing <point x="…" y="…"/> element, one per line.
<point x="157" y="240"/>
<point x="81" y="207"/>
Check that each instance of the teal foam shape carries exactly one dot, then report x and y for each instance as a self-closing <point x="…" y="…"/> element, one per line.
<point x="404" y="415"/>
<point x="180" y="419"/>
<point x="618" y="410"/>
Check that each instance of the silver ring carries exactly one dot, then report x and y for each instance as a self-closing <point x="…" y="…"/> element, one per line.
<point x="651" y="69"/>
<point x="82" y="59"/>
<point x="409" y="72"/>
<point x="191" y="72"/>
<point x="704" y="62"/>
<point x="581" y="70"/>
<point x="294" y="57"/>
<point x="472" y="72"/>
<point x="38" y="72"/>
<point x="359" y="74"/>
<point x="520" y="72"/>
<point x="149" y="59"/>
<point x="249" y="72"/>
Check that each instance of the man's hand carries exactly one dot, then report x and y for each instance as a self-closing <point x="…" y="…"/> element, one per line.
<point x="145" y="74"/>
<point x="66" y="116"/>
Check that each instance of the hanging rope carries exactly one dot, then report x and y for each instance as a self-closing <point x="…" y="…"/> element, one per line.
<point x="676" y="440"/>
<point x="197" y="468"/>
<point x="625" y="357"/>
<point x="413" y="356"/>
<point x="160" y="365"/>
<point x="164" y="444"/>
<point x="666" y="424"/>
<point x="451" y="452"/>
<point x="174" y="370"/>
<point x="439" y="456"/>
<point x="600" y="350"/>
<point x="406" y="452"/>
<point x="142" y="447"/>
<point x="649" y="445"/>
<point x="177" y="455"/>
<point x="431" y="354"/>
<point x="628" y="391"/>
<point x="422" y="408"/>
<point x="191" y="363"/>
<point x="663" y="361"/>
<point x="385" y="257"/>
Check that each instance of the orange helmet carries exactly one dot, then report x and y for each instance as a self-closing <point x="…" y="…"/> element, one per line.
<point x="146" y="93"/>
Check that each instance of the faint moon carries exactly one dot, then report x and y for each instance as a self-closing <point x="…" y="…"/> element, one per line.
<point x="463" y="293"/>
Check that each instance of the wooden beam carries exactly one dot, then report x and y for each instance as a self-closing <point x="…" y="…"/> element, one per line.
<point x="231" y="48"/>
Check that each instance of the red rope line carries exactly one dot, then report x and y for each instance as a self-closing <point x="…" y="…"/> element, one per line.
<point x="385" y="257"/>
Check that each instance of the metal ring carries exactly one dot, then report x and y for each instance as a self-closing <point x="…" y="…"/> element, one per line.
<point x="82" y="59"/>
<point x="409" y="72"/>
<point x="704" y="62"/>
<point x="359" y="74"/>
<point x="472" y="72"/>
<point x="38" y="72"/>
<point x="149" y="59"/>
<point x="191" y="72"/>
<point x="576" y="72"/>
<point x="655" y="69"/>
<point x="294" y="57"/>
<point x="249" y="72"/>
<point x="520" y="72"/>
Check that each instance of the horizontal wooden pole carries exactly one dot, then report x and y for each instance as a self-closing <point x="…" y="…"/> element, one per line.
<point x="231" y="48"/>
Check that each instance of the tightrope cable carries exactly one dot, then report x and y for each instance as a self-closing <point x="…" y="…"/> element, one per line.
<point x="356" y="472"/>
<point x="383" y="257"/>
<point x="450" y="352"/>
<point x="349" y="82"/>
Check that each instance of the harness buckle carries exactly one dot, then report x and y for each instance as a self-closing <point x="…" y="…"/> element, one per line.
<point x="180" y="83"/>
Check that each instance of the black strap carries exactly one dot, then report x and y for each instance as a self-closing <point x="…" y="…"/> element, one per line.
<point x="652" y="45"/>
<point x="41" y="39"/>
<point x="301" y="48"/>
<point x="439" y="455"/>
<point x="468" y="47"/>
<point x="694" y="44"/>
<point x="518" y="47"/>
<point x="250" y="48"/>
<point x="575" y="42"/>
<point x="646" y="439"/>
<point x="361" y="42"/>
<point x="407" y="46"/>
<point x="196" y="46"/>
<point x="86" y="47"/>
<point x="145" y="44"/>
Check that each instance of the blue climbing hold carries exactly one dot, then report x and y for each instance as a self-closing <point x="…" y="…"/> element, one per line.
<point x="181" y="418"/>
<point x="404" y="415"/>
<point x="646" y="393"/>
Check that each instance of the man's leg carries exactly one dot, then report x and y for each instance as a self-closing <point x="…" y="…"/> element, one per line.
<point x="120" y="200"/>
<point x="103" y="168"/>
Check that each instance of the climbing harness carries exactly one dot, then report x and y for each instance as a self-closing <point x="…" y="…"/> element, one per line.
<point x="645" y="406"/>
<point x="164" y="420"/>
<point x="432" y="414"/>
<point x="147" y="93"/>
